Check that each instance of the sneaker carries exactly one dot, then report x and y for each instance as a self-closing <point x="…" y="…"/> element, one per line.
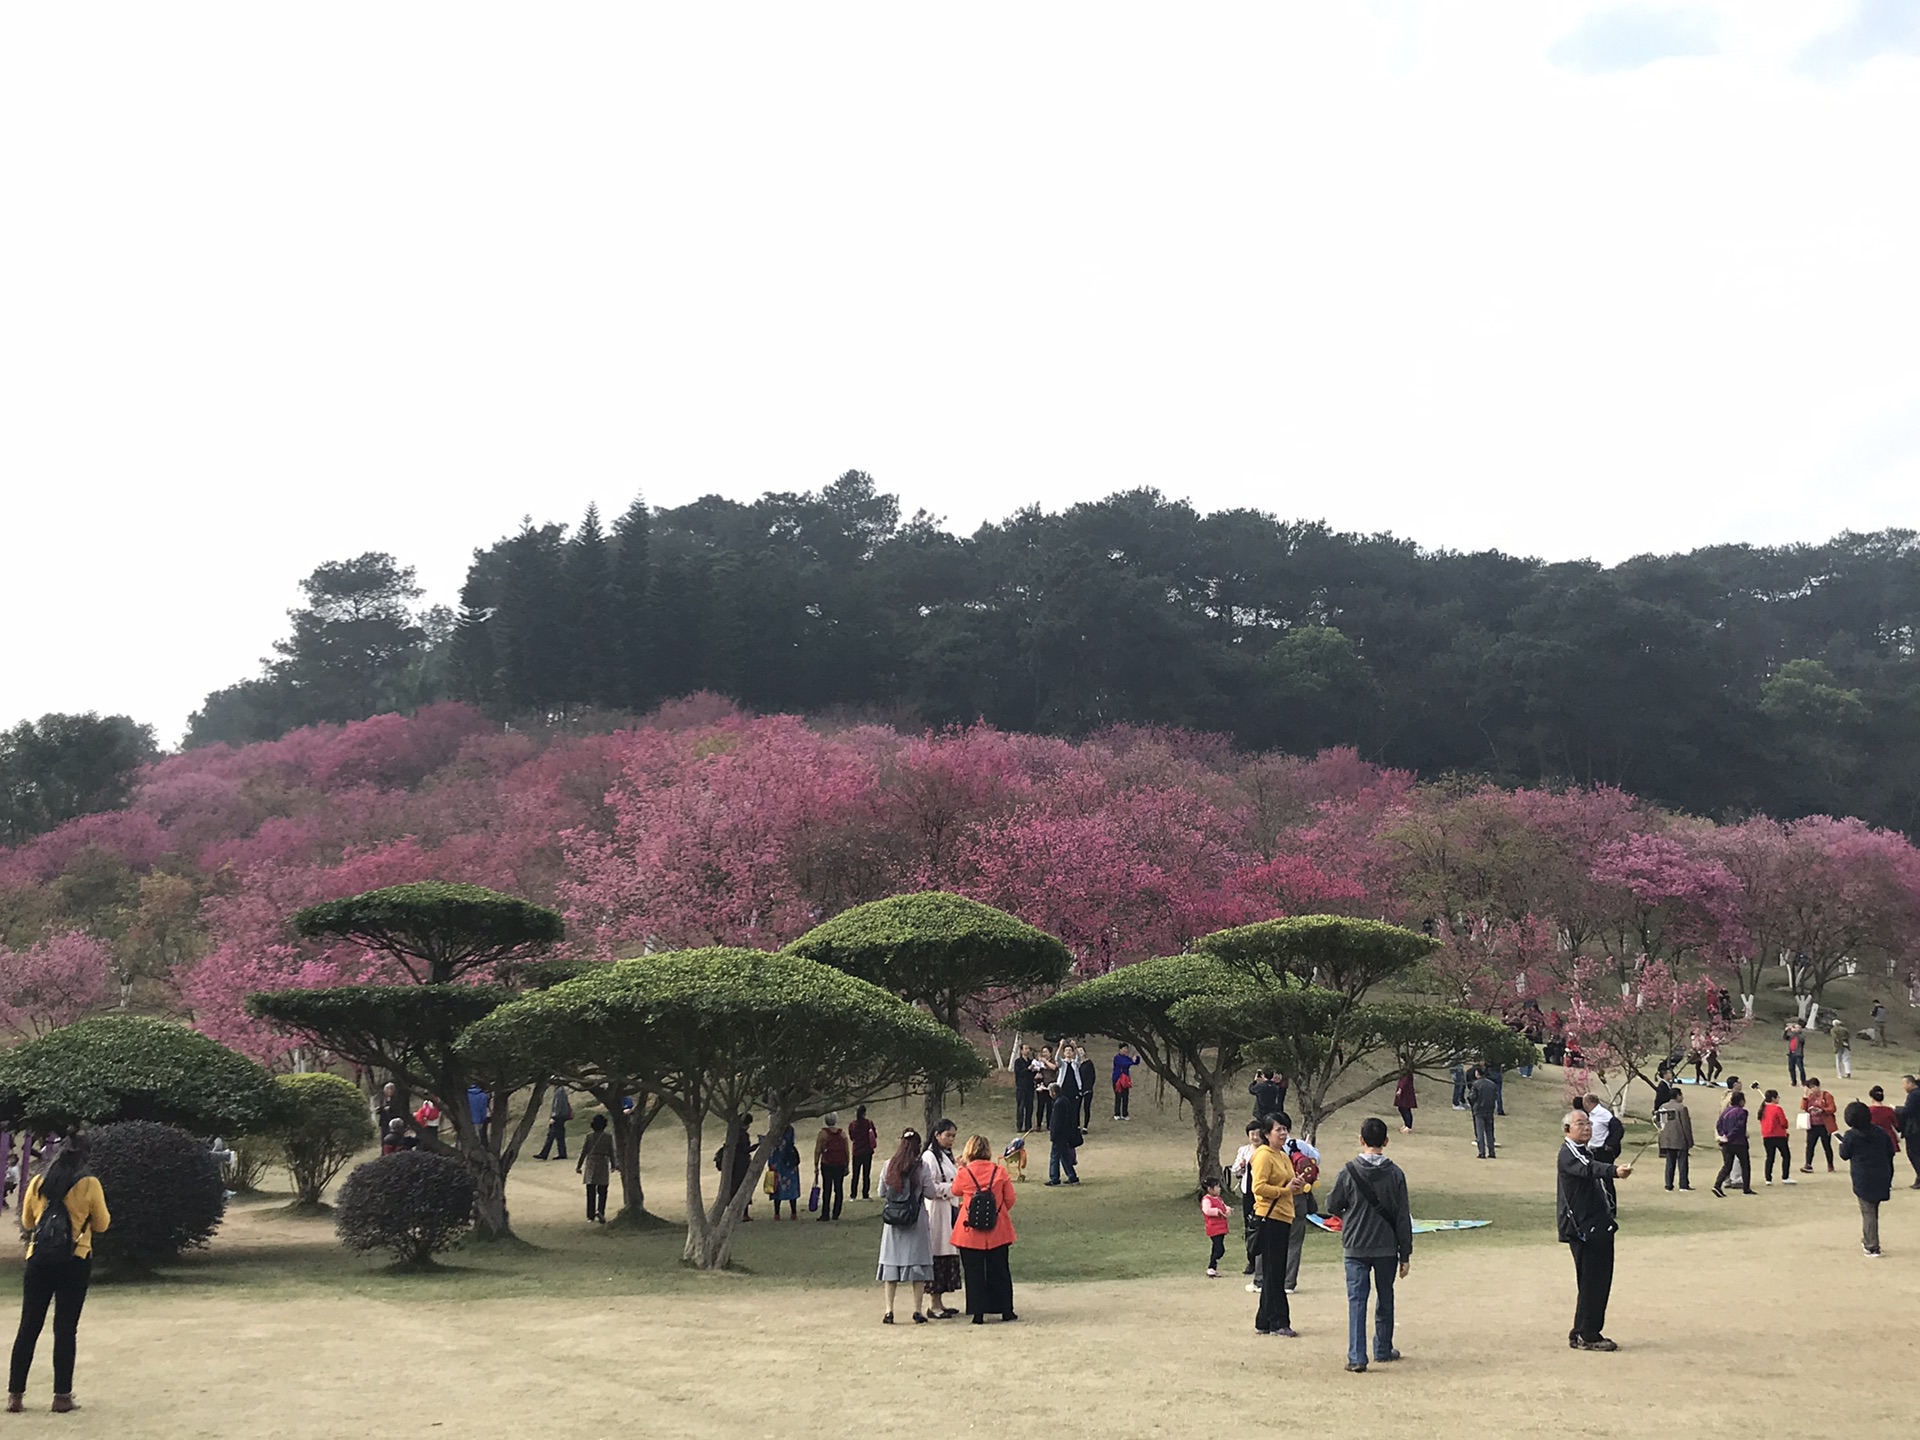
<point x="1286" y="1332"/>
<point x="1598" y="1342"/>
<point x="1789" y="1180"/>
<point x="1253" y="1287"/>
<point x="1769" y="1182"/>
<point x="1359" y="1369"/>
<point x="1874" y="1254"/>
<point x="1383" y="1359"/>
<point x="1212" y="1274"/>
<point x="1293" y="1289"/>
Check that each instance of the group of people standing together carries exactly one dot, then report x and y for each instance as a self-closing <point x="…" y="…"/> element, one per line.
<point x="946" y="1223"/>
<point x="1054" y="1091"/>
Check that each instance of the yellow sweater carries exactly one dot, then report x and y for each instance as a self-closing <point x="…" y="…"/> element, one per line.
<point x="86" y="1208"/>
<point x="1272" y="1174"/>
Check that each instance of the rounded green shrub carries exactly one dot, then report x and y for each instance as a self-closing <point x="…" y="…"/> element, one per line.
<point x="411" y="1204"/>
<point x="324" y="1124"/>
<point x="134" y="1067"/>
<point x="163" y="1190"/>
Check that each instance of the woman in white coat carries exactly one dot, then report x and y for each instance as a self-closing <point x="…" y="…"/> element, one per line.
<point x="937" y="1169"/>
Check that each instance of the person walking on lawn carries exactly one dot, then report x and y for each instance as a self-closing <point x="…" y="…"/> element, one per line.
<point x="1909" y="1120"/>
<point x="1842" y="1049"/>
<point x="1869" y="1156"/>
<point x="1214" y="1215"/>
<point x="1773" y="1135"/>
<point x="1064" y="1126"/>
<point x="1122" y="1083"/>
<point x="1376" y="1240"/>
<point x="1483" y="1098"/>
<point x="1674" y="1132"/>
<point x="1274" y="1186"/>
<point x="864" y="1136"/>
<point x="1820" y="1109"/>
<point x="596" y="1165"/>
<point x="1732" y="1129"/>
<point x="559" y="1112"/>
<point x="1405" y="1101"/>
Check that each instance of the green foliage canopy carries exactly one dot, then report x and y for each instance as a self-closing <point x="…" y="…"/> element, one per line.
<point x="127" y="1067"/>
<point x="324" y="1124"/>
<point x="437" y="931"/>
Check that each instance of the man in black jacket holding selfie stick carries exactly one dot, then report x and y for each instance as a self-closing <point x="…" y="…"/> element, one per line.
<point x="1588" y="1221"/>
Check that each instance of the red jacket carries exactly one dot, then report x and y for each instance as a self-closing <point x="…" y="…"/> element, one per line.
<point x="974" y="1175"/>
<point x="1773" y="1122"/>
<point x="1403" y="1095"/>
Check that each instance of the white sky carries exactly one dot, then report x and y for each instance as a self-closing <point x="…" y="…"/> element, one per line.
<point x="280" y="284"/>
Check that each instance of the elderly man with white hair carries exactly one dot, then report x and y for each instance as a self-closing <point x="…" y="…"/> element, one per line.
<point x="1587" y="1222"/>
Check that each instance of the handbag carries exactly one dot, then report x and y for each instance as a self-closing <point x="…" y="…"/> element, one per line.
<point x="813" y="1199"/>
<point x="771" y="1184"/>
<point x="1803" y="1121"/>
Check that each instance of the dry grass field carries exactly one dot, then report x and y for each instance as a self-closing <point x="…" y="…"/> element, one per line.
<point x="1735" y="1316"/>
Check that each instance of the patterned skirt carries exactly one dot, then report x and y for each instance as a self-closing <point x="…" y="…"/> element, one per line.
<point x="946" y="1273"/>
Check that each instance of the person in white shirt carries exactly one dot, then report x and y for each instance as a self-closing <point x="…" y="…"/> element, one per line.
<point x="1243" y="1181"/>
<point x="1602" y="1121"/>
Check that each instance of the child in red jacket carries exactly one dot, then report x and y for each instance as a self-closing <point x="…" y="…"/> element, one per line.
<point x="1214" y="1212"/>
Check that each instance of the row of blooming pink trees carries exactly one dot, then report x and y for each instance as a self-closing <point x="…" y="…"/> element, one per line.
<point x="704" y="826"/>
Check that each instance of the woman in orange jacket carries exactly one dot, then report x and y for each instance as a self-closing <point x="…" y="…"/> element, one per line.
<point x="982" y="1193"/>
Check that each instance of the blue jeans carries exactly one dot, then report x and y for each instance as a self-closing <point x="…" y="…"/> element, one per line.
<point x="1459" y="1088"/>
<point x="1058" y="1159"/>
<point x="1376" y="1271"/>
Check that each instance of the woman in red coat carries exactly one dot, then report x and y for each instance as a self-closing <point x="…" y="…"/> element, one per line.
<point x="983" y="1251"/>
<point x="1404" y="1102"/>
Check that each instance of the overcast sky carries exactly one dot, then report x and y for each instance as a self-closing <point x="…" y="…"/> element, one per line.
<point x="281" y="284"/>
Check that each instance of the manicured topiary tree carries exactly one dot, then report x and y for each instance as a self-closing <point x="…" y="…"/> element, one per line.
<point x="444" y="937"/>
<point x="128" y="1067"/>
<point x="724" y="1032"/>
<point x="1136" y="1005"/>
<point x="410" y="1032"/>
<point x="1307" y="1010"/>
<point x="163" y="1188"/>
<point x="324" y="1125"/>
<point x="938" y="950"/>
<point x="411" y="1204"/>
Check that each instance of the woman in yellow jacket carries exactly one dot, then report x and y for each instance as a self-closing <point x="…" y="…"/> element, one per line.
<point x="56" y="1275"/>
<point x="1274" y="1186"/>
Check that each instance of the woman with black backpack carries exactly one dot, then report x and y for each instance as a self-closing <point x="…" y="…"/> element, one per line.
<point x="983" y="1194"/>
<point x="906" y="1252"/>
<point x="60" y="1212"/>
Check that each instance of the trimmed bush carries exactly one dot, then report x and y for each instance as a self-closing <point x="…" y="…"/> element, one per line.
<point x="163" y="1188"/>
<point x="253" y="1156"/>
<point x="326" y="1125"/>
<point x="411" y="1204"/>
<point x="132" y="1067"/>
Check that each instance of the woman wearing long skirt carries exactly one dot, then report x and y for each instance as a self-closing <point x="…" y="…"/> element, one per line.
<point x="906" y="1251"/>
<point x="937" y="1167"/>
<point x="983" y="1252"/>
<point x="56" y="1277"/>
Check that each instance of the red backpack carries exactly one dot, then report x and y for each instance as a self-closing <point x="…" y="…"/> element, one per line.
<point x="835" y="1152"/>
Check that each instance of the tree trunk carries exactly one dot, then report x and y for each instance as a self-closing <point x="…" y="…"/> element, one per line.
<point x="628" y="1130"/>
<point x="936" y="1111"/>
<point x="1209" y="1132"/>
<point x="1746" y="1005"/>
<point x="489" y="1163"/>
<point x="719" y="1222"/>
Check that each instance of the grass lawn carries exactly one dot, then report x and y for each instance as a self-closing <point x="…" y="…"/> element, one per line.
<point x="1719" y="1305"/>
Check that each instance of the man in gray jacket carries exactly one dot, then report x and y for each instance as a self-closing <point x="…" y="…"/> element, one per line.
<point x="1376" y="1232"/>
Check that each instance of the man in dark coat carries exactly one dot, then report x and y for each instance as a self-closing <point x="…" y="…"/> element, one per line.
<point x="1587" y="1223"/>
<point x="1023" y="1091"/>
<point x="1064" y="1128"/>
<point x="1909" y="1119"/>
<point x="1268" y="1097"/>
<point x="1483" y="1098"/>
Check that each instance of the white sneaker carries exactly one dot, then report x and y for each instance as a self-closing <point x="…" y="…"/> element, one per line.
<point x="1252" y="1289"/>
<point x="1789" y="1181"/>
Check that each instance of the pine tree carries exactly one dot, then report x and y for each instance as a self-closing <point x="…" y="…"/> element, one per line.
<point x="592" y="634"/>
<point x="632" y="623"/>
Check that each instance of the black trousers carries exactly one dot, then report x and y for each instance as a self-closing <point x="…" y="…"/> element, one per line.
<point x="1593" y="1273"/>
<point x="1120" y="1099"/>
<point x="596" y="1201"/>
<point x="832" y="1195"/>
<point x="1913" y="1155"/>
<point x="1730" y="1153"/>
<point x="556" y="1135"/>
<point x="1273" y="1313"/>
<point x="1086" y="1111"/>
<point x="1677" y="1162"/>
<point x="1783" y="1147"/>
<point x="1022" y="1109"/>
<point x="1219" y="1249"/>
<point x="861" y="1184"/>
<point x="1042" y="1109"/>
<point x="989" y="1281"/>
<point x="64" y="1286"/>
<point x="1819" y="1136"/>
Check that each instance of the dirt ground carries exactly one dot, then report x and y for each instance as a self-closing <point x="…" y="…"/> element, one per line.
<point x="1732" y="1314"/>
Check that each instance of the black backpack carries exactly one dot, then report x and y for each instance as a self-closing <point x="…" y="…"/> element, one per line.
<point x="983" y="1211"/>
<point x="53" y="1236"/>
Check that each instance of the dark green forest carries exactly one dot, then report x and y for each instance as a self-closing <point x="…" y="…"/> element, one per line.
<point x="1729" y="679"/>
